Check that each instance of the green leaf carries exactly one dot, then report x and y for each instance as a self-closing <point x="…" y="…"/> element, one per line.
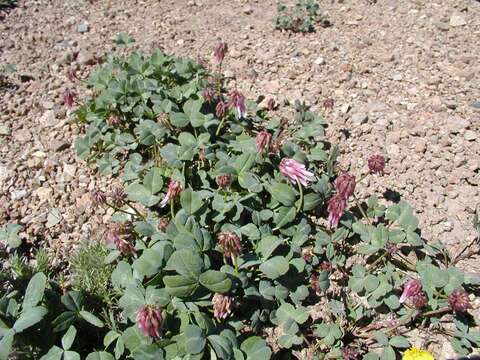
<point x="69" y="337"/>
<point x="381" y="338"/>
<point x="191" y="201"/>
<point x="267" y="246"/>
<point x="256" y="348"/>
<point x="179" y="286"/>
<point x="138" y="192"/>
<point x="100" y="355"/>
<point x="10" y="235"/>
<point x="250" y="182"/>
<point x="64" y="320"/>
<point x="275" y="267"/>
<point x="399" y="342"/>
<point x="29" y="318"/>
<point x="71" y="355"/>
<point x="153" y="180"/>
<point x="35" y="291"/>
<point x="222" y="346"/>
<point x="388" y="353"/>
<point x="287" y="311"/>
<point x="215" y="281"/>
<point x="55" y="353"/>
<point x="283" y="193"/>
<point x="110" y="337"/>
<point x="186" y="262"/>
<point x="6" y="343"/>
<point x="90" y="318"/>
<point x="311" y="201"/>
<point x="194" y="339"/>
<point x="284" y="215"/>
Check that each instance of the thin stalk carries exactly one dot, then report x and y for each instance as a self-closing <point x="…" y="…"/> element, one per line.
<point x="220" y="126"/>
<point x="235" y="264"/>
<point x="357" y="202"/>
<point x="172" y="209"/>
<point x="300" y="189"/>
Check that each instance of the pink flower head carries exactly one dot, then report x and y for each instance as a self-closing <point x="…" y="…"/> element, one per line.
<point x="336" y="207"/>
<point x="237" y="101"/>
<point x="118" y="197"/>
<point x="222" y="306"/>
<point x="219" y="52"/>
<point x="174" y="189"/>
<point x="328" y="103"/>
<point x="113" y="120"/>
<point x="163" y="224"/>
<point x="345" y="185"/>
<point x="150" y="321"/>
<point x="376" y="164"/>
<point x="295" y="171"/>
<point x="412" y="288"/>
<point x="117" y="237"/>
<point x="68" y="98"/>
<point x="221" y="109"/>
<point x="459" y="300"/>
<point x="262" y="141"/>
<point x="72" y="76"/>
<point x="208" y="94"/>
<point x="98" y="197"/>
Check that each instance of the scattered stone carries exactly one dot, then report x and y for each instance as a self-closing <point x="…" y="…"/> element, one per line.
<point x="320" y="61"/>
<point x="85" y="57"/>
<point x="397" y="77"/>
<point x="43" y="194"/>
<point x="22" y="136"/>
<point x="54" y="217"/>
<point x="83" y="28"/>
<point x="359" y="118"/>
<point x="470" y="135"/>
<point x="59" y="145"/>
<point x="476" y="104"/>
<point x="48" y="118"/>
<point x="248" y="10"/>
<point x="344" y="108"/>
<point x="18" y="194"/>
<point x="47" y="105"/>
<point x="457" y="20"/>
<point x="4" y="130"/>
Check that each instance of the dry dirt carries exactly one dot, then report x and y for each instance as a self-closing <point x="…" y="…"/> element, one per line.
<point x="404" y="75"/>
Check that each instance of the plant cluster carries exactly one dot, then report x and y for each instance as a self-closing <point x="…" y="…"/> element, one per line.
<point x="300" y="17"/>
<point x="237" y="236"/>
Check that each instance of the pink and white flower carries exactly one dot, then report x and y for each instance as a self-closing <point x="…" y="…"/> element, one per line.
<point x="412" y="288"/>
<point x="336" y="207"/>
<point x="150" y="321"/>
<point x="174" y="189"/>
<point x="222" y="306"/>
<point x="262" y="141"/>
<point x="237" y="101"/>
<point x="295" y="171"/>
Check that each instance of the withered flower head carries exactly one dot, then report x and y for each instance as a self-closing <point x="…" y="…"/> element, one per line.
<point x="221" y="109"/>
<point x="376" y="164"/>
<point x="222" y="306"/>
<point x="230" y="244"/>
<point x="98" y="197"/>
<point x="220" y="51"/>
<point x="336" y="207"/>
<point x="263" y="140"/>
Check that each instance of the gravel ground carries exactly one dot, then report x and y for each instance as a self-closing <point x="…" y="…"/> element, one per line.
<point x="404" y="75"/>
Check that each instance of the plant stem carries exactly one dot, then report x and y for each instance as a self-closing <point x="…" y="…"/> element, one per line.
<point x="357" y="202"/>
<point x="300" y="189"/>
<point x="172" y="210"/>
<point x="220" y="126"/>
<point x="235" y="263"/>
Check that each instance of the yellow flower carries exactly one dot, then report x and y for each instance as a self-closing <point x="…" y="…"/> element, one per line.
<point x="417" y="354"/>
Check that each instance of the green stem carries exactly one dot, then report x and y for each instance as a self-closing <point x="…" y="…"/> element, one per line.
<point x="300" y="205"/>
<point x="172" y="210"/>
<point x="220" y="126"/>
<point x="235" y="263"/>
<point x="357" y="202"/>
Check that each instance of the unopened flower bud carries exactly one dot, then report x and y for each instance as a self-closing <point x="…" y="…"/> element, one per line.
<point x="237" y="101"/>
<point x="459" y="300"/>
<point x="162" y="224"/>
<point x="113" y="120"/>
<point x="262" y="141"/>
<point x="376" y="164"/>
<point x="224" y="180"/>
<point x="68" y="98"/>
<point x="336" y="207"/>
<point x="220" y="51"/>
<point x="328" y="104"/>
<point x="221" y="109"/>
<point x="174" y="189"/>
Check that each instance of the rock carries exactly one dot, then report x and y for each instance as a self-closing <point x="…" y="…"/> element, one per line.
<point x="48" y="118"/>
<point x="85" y="57"/>
<point x="272" y="87"/>
<point x="4" y="130"/>
<point x="470" y="135"/>
<point x="22" y="136"/>
<point x="397" y="77"/>
<point x="59" y="145"/>
<point x="457" y="124"/>
<point x="457" y="20"/>
<point x="320" y="61"/>
<point x="359" y="118"/>
<point x="47" y="105"/>
<point x="248" y="10"/>
<point x="344" y="108"/>
<point x="43" y="194"/>
<point x="476" y="104"/>
<point x="69" y="172"/>
<point x="18" y="194"/>
<point x="83" y="28"/>
<point x="54" y="217"/>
